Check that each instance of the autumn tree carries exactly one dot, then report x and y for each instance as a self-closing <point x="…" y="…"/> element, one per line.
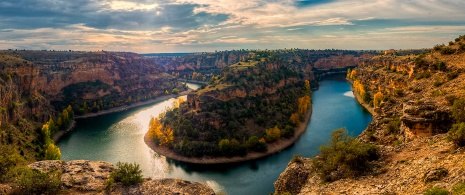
<point x="163" y="136"/>
<point x="304" y="103"/>
<point x="52" y="152"/>
<point x="295" y="119"/>
<point x="378" y="97"/>
<point x="272" y="134"/>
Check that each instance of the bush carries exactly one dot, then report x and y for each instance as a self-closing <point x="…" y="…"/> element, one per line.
<point x="31" y="181"/>
<point x="175" y="91"/>
<point x="457" y="134"/>
<point x="297" y="158"/>
<point x="8" y="159"/>
<point x="458" y="188"/>
<point x="436" y="191"/>
<point x="127" y="173"/>
<point x="394" y="126"/>
<point x="458" y="110"/>
<point x="344" y="157"/>
<point x="447" y="50"/>
<point x="441" y="66"/>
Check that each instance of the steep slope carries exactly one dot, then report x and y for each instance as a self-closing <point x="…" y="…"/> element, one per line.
<point x="202" y="66"/>
<point x="411" y="98"/>
<point x="37" y="85"/>
<point x="246" y="110"/>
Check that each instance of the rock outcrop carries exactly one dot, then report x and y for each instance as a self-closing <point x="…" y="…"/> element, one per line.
<point x="84" y="176"/>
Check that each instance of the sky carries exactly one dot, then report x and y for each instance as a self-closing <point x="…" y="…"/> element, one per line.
<point x="159" y="26"/>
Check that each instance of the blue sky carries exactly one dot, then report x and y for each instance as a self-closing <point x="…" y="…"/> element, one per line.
<point x="207" y="25"/>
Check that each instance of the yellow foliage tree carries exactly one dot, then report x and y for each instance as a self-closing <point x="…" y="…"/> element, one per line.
<point x="307" y="84"/>
<point x="52" y="152"/>
<point x="164" y="136"/>
<point x="272" y="134"/>
<point x="303" y="104"/>
<point x="295" y="119"/>
<point x="353" y="74"/>
<point x="167" y="92"/>
<point x="377" y="98"/>
<point x="168" y="136"/>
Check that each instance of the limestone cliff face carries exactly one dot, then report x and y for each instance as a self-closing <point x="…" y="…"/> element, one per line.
<point x="36" y="85"/>
<point x="83" y="176"/>
<point x="122" y="76"/>
<point x="301" y="59"/>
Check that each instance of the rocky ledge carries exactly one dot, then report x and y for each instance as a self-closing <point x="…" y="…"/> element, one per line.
<point x="89" y="177"/>
<point x="408" y="168"/>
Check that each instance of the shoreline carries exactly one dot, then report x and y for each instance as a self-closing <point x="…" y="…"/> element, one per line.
<point x="360" y="101"/>
<point x="272" y="148"/>
<point x="58" y="135"/>
<point x="137" y="104"/>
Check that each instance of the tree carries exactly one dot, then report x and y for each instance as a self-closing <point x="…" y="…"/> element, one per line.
<point x="52" y="152"/>
<point x="272" y="134"/>
<point x="167" y="92"/>
<point x="295" y="119"/>
<point x="344" y="156"/>
<point x="224" y="146"/>
<point x="304" y="103"/>
<point x="378" y="97"/>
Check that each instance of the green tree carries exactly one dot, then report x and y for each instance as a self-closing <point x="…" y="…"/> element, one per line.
<point x="344" y="156"/>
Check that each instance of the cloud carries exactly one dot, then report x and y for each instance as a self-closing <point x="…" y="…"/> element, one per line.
<point x="205" y="25"/>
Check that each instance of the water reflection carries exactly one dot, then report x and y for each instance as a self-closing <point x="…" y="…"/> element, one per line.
<point x="119" y="137"/>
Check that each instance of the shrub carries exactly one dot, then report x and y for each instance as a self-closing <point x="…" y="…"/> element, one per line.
<point x="394" y="126"/>
<point x="436" y="191"/>
<point x="458" y="110"/>
<point x="441" y="66"/>
<point x="344" y="157"/>
<point x="457" y="134"/>
<point x="175" y="91"/>
<point x="8" y="159"/>
<point x="447" y="50"/>
<point x="458" y="188"/>
<point x="127" y="173"/>
<point x="297" y="158"/>
<point x="31" y="181"/>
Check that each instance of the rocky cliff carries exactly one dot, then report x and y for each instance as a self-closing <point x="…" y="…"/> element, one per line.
<point x="411" y="98"/>
<point x="90" y="177"/>
<point x="208" y="64"/>
<point x="37" y="85"/>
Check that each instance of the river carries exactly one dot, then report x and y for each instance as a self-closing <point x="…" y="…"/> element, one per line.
<point x="119" y="137"/>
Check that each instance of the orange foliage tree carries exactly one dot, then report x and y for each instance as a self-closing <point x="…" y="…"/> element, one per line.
<point x="304" y="103"/>
<point x="377" y="98"/>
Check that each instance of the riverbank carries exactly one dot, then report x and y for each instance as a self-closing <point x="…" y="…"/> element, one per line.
<point x="60" y="134"/>
<point x="359" y="99"/>
<point x="137" y="104"/>
<point x="272" y="148"/>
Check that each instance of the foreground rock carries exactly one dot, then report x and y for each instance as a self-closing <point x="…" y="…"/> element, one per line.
<point x="408" y="168"/>
<point x="84" y="176"/>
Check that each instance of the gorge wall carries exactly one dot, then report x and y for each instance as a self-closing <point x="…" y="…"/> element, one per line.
<point x="37" y="85"/>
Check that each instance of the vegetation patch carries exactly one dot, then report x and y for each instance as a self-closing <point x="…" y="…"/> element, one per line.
<point x="343" y="157"/>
